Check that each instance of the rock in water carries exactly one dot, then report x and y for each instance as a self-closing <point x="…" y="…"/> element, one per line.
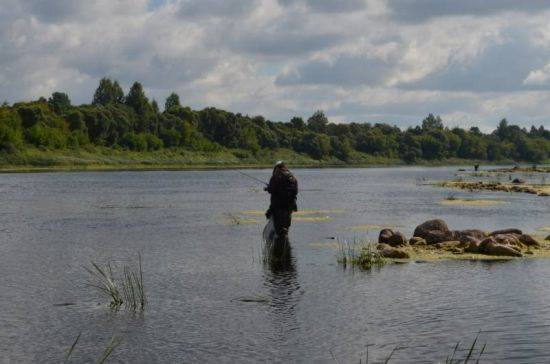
<point x="490" y="246"/>
<point x="392" y="238"/>
<point x="417" y="241"/>
<point x="394" y="253"/>
<point x="528" y="240"/>
<point x="431" y="225"/>
<point x="474" y="233"/>
<point x="438" y="236"/>
<point x="384" y="236"/>
<point x="506" y="231"/>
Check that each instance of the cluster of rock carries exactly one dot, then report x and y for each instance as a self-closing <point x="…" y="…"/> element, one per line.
<point x="435" y="234"/>
<point x="517" y="186"/>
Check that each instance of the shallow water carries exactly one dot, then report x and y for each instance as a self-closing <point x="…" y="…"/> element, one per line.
<point x="212" y="299"/>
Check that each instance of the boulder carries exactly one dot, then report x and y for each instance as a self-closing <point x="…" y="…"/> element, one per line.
<point x="468" y="239"/>
<point x="398" y="239"/>
<point x="506" y="231"/>
<point x="392" y="238"/>
<point x="528" y="240"/>
<point x="473" y="233"/>
<point x="417" y="241"/>
<point x="438" y="236"/>
<point x="384" y="236"/>
<point x="431" y="225"/>
<point x="508" y="239"/>
<point x="547" y="238"/>
<point x="394" y="253"/>
<point x="490" y="246"/>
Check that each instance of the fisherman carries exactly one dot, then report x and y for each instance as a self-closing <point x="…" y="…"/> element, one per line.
<point x="283" y="188"/>
<point x="476" y="167"/>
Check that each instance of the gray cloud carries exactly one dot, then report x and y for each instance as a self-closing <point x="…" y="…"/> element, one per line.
<point x="500" y="67"/>
<point x="217" y="8"/>
<point x="421" y="10"/>
<point x="345" y="70"/>
<point x="328" y="6"/>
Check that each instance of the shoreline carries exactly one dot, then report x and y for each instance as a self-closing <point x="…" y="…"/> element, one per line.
<point x="145" y="167"/>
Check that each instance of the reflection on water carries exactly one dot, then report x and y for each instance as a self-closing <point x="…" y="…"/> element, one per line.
<point x="281" y="283"/>
<point x="196" y="266"/>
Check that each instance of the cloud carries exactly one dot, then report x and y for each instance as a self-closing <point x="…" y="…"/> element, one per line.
<point x="328" y="6"/>
<point x="371" y="60"/>
<point x="422" y="10"/>
<point x="192" y="9"/>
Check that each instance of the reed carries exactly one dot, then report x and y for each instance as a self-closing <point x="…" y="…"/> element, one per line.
<point x="111" y="346"/>
<point x="360" y="253"/>
<point x="131" y="292"/>
<point x="102" y="279"/>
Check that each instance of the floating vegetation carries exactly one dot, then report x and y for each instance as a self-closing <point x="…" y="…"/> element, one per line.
<point x="534" y="189"/>
<point x="109" y="349"/>
<point x="368" y="227"/>
<point x="360" y="253"/>
<point x="132" y="292"/>
<point x="234" y="219"/>
<point x="470" y="202"/>
<point x="312" y="219"/>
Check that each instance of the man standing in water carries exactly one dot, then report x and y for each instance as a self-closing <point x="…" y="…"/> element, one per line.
<point x="283" y="188"/>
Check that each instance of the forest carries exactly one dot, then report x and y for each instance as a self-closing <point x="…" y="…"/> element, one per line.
<point x="132" y="122"/>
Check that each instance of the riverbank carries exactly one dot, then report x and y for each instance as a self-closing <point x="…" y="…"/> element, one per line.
<point x="109" y="159"/>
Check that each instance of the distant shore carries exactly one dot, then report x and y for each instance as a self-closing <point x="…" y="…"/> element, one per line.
<point x="108" y="159"/>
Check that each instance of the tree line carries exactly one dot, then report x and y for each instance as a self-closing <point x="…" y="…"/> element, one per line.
<point x="133" y="122"/>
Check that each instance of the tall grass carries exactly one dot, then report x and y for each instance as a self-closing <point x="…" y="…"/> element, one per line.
<point x="111" y="346"/>
<point x="131" y="292"/>
<point x="360" y="253"/>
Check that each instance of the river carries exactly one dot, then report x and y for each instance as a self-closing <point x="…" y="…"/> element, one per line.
<point x="211" y="299"/>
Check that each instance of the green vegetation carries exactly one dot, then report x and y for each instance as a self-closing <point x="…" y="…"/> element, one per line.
<point x="131" y="293"/>
<point x="130" y="131"/>
<point x="111" y="346"/>
<point x="360" y="253"/>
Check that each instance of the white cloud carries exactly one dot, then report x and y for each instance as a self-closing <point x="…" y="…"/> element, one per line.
<point x="360" y="60"/>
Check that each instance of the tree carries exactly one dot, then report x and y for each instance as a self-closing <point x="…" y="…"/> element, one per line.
<point x="318" y="122"/>
<point x="108" y="92"/>
<point x="298" y="123"/>
<point x="432" y="122"/>
<point x="171" y="101"/>
<point x="59" y="102"/>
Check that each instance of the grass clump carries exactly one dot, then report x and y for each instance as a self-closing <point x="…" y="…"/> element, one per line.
<point x="131" y="292"/>
<point x="360" y="253"/>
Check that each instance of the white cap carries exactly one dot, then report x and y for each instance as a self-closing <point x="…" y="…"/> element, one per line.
<point x="278" y="163"/>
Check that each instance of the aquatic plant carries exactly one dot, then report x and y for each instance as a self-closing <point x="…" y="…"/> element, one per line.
<point x="360" y="253"/>
<point x="233" y="219"/>
<point x="132" y="288"/>
<point x="469" y="356"/>
<point x="103" y="280"/>
<point x="133" y="292"/>
<point x="111" y="346"/>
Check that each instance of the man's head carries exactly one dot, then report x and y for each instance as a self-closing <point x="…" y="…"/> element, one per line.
<point x="280" y="166"/>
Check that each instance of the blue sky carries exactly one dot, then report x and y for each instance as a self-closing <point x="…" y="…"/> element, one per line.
<point x="473" y="62"/>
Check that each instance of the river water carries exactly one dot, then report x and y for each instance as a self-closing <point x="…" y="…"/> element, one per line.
<point x="212" y="299"/>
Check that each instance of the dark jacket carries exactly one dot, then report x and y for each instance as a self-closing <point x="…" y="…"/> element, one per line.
<point x="283" y="187"/>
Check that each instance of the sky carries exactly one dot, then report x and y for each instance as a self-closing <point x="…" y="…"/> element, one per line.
<point x="472" y="62"/>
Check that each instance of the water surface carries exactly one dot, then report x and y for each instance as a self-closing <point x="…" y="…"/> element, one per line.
<point x="198" y="268"/>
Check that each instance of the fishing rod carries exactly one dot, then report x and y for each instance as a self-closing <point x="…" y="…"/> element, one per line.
<point x="254" y="178"/>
